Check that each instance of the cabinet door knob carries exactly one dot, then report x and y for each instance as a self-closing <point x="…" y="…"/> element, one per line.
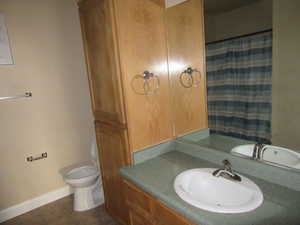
<point x="150" y="85"/>
<point x="188" y="78"/>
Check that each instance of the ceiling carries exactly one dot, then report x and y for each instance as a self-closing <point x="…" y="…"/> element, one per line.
<point x="220" y="6"/>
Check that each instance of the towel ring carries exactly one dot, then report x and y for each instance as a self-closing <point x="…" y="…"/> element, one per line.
<point x="147" y="78"/>
<point x="187" y="79"/>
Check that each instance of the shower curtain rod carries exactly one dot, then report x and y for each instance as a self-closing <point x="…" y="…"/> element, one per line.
<point x="241" y="36"/>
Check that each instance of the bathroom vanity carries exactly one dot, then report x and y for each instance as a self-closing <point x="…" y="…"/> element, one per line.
<point x="153" y="200"/>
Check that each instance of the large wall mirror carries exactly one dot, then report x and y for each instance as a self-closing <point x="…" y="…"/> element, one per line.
<point x="253" y="71"/>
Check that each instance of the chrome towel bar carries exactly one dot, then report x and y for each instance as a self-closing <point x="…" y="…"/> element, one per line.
<point x="26" y="95"/>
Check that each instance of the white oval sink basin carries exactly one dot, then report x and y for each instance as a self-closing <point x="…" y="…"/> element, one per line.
<point x="272" y="154"/>
<point x="201" y="189"/>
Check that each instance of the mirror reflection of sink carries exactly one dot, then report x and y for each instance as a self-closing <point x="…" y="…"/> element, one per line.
<point x="201" y="189"/>
<point x="271" y="154"/>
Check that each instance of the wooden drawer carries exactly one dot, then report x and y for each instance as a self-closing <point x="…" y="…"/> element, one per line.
<point x="165" y="216"/>
<point x="138" y="201"/>
<point x="136" y="219"/>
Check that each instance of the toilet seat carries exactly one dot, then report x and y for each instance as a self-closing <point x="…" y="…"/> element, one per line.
<point x="81" y="174"/>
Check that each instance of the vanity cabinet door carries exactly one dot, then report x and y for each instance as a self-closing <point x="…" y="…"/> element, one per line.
<point x="185" y="28"/>
<point x="136" y="219"/>
<point x="164" y="216"/>
<point x="145" y="209"/>
<point x="140" y="205"/>
<point x="138" y="201"/>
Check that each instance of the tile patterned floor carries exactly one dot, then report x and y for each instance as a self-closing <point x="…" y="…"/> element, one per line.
<point x="61" y="213"/>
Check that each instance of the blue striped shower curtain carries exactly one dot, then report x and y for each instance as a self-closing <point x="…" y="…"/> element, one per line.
<point x="239" y="80"/>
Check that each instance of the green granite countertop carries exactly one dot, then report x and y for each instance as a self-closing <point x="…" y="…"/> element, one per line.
<point x="156" y="176"/>
<point x="221" y="143"/>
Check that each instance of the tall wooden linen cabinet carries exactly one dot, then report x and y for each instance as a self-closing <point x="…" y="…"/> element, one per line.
<point x="141" y="59"/>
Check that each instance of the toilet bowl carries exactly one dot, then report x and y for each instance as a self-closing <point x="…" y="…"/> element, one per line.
<point x="83" y="176"/>
<point x="86" y="184"/>
<point x="85" y="181"/>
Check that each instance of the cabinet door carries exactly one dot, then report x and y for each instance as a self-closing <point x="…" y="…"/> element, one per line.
<point x="142" y="42"/>
<point x="136" y="219"/>
<point x="113" y="156"/>
<point x="145" y="209"/>
<point x="98" y="31"/>
<point x="165" y="216"/>
<point x="186" y="46"/>
<point x="140" y="206"/>
<point x="138" y="200"/>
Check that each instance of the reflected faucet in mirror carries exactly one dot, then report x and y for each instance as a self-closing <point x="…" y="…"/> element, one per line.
<point x="273" y="155"/>
<point x="257" y="151"/>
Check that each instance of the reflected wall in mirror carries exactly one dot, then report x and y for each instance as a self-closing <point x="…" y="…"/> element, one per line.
<point x="252" y="53"/>
<point x="186" y="49"/>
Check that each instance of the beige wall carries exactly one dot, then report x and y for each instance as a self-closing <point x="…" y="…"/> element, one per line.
<point x="47" y="48"/>
<point x="210" y="27"/>
<point x="286" y="74"/>
<point x="244" y="20"/>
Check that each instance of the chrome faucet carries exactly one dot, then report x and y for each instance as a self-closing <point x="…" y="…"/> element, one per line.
<point x="257" y="151"/>
<point x="227" y="172"/>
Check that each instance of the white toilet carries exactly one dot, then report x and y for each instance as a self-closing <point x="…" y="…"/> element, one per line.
<point x="86" y="183"/>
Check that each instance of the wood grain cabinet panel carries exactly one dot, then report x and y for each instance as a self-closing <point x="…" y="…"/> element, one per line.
<point x="161" y="3"/>
<point x="138" y="200"/>
<point x="186" y="47"/>
<point x="157" y="214"/>
<point x="136" y="219"/>
<point x="113" y="147"/>
<point x="142" y="41"/>
<point x="164" y="216"/>
<point x="97" y="24"/>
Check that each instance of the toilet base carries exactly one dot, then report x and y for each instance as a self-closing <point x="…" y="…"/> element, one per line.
<point x="88" y="197"/>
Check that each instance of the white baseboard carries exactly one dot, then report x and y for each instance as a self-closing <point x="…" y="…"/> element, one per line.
<point x="29" y="205"/>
